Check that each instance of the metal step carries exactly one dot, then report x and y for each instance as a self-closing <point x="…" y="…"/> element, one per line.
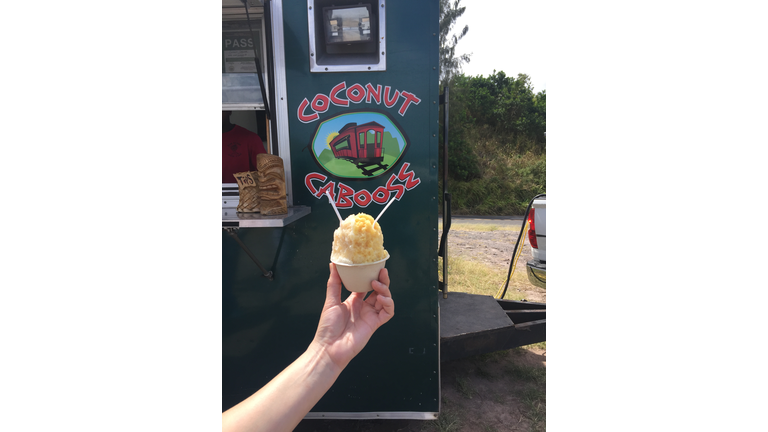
<point x="472" y="324"/>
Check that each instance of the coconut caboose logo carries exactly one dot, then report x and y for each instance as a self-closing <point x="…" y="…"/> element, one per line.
<point x="358" y="144"/>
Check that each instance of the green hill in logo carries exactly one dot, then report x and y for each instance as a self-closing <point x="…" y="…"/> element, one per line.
<point x="325" y="157"/>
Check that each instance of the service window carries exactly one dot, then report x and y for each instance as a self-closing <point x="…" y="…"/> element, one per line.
<point x="240" y="84"/>
<point x="241" y="93"/>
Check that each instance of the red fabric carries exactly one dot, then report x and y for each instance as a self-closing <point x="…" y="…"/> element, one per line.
<point x="239" y="149"/>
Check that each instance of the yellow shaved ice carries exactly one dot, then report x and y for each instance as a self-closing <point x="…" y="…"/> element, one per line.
<point x="358" y="240"/>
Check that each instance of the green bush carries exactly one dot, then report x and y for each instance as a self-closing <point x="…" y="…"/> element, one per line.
<point x="462" y="161"/>
<point x="497" y="144"/>
<point x="506" y="189"/>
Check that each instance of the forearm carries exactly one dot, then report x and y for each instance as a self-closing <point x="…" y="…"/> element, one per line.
<point x="284" y="401"/>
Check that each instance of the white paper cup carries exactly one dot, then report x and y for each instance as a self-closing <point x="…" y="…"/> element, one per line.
<point x="358" y="277"/>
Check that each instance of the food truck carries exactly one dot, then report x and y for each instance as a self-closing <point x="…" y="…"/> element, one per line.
<point x="346" y="93"/>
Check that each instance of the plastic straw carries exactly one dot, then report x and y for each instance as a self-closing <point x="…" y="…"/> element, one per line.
<point x="385" y="209"/>
<point x="333" y="204"/>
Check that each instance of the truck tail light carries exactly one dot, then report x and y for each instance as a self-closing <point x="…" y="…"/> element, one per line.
<point x="532" y="230"/>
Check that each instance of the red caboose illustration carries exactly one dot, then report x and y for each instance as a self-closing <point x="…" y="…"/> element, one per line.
<point x="361" y="145"/>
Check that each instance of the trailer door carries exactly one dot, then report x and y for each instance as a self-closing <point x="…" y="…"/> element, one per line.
<point x="339" y="63"/>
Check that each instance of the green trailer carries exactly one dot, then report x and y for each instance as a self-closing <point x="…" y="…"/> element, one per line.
<point x="346" y="93"/>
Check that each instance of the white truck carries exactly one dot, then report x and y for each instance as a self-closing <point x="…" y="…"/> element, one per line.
<point x="537" y="237"/>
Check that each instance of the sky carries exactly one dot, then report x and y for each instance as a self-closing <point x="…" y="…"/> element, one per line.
<point x="506" y="36"/>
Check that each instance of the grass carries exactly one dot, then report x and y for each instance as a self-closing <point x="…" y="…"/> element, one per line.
<point x="477" y="278"/>
<point x="464" y="388"/>
<point x="485" y="372"/>
<point x="535" y="401"/>
<point x="527" y="384"/>
<point x="470" y="226"/>
<point x="447" y="421"/>
<point x="507" y="184"/>
<point x="539" y="345"/>
<point x="492" y="357"/>
<point x="522" y="386"/>
<point x="487" y="363"/>
<point x="527" y="373"/>
<point x="523" y="349"/>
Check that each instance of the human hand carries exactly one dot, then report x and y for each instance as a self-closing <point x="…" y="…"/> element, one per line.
<point x="345" y="328"/>
<point x="343" y="331"/>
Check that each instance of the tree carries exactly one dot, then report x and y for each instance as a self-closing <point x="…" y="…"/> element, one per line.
<point x="450" y="64"/>
<point x="499" y="106"/>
